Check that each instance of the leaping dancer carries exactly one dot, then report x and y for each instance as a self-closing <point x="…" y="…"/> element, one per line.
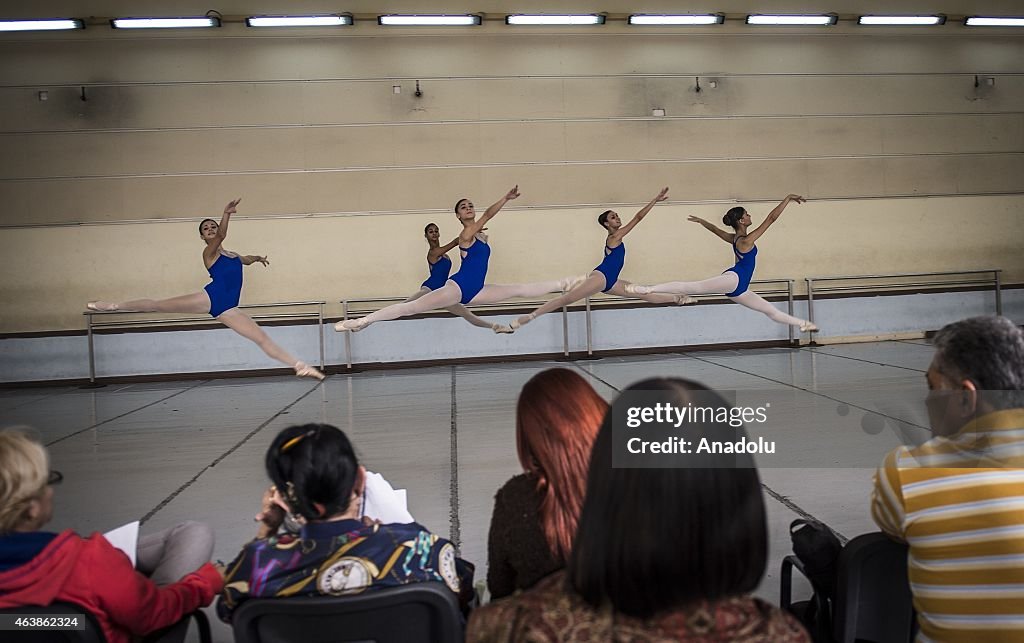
<point x="220" y="297"/>
<point x="735" y="281"/>
<point x="467" y="285"/>
<point x="440" y="266"/>
<point x="605" y="277"/>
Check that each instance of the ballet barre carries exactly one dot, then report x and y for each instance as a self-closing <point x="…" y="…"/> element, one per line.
<point x="514" y="305"/>
<point x="788" y="291"/>
<point x="91" y="324"/>
<point x="814" y="284"/>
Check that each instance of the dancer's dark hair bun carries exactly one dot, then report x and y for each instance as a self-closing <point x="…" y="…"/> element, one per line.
<point x="733" y="216"/>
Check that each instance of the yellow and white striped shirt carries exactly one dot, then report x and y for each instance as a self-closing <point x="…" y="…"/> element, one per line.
<point x="959" y="503"/>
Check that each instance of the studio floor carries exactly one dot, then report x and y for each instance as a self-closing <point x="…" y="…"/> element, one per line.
<point x="169" y="451"/>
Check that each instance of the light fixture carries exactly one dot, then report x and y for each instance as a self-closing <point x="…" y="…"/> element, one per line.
<point x="298" y="21"/>
<point x="551" y="19"/>
<point x="688" y="19"/>
<point x="429" y="21"/>
<point x="901" y="20"/>
<point x="41" y="25"/>
<point x="816" y="20"/>
<point x="164" y="23"/>
<point x="987" y="21"/>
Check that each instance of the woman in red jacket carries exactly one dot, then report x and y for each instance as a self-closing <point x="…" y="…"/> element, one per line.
<point x="40" y="568"/>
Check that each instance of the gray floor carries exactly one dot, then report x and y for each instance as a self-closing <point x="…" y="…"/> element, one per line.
<point x="166" y="452"/>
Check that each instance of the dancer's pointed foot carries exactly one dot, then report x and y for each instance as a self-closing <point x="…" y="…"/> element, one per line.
<point x="568" y="283"/>
<point x="502" y="329"/>
<point x="303" y="369"/>
<point x="354" y="325"/>
<point x="682" y="300"/>
<point x="102" y="306"/>
<point x="808" y="327"/>
<point x="637" y="289"/>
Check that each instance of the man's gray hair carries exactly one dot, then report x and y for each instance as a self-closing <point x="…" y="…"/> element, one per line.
<point x="988" y="351"/>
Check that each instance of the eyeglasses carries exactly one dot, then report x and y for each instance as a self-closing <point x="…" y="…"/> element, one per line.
<point x="55" y="477"/>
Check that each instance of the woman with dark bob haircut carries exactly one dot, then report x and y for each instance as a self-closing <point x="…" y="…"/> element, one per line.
<point x="659" y="554"/>
<point x="317" y="477"/>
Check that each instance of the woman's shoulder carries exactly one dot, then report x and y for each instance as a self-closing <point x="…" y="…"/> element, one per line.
<point x="523" y="485"/>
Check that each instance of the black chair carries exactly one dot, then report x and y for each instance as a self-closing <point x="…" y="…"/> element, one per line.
<point x="427" y="612"/>
<point x="91" y="633"/>
<point x="873" y="600"/>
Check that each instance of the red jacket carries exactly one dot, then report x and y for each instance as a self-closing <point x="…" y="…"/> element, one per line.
<point x="91" y="573"/>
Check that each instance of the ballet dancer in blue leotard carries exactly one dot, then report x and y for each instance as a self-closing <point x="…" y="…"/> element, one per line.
<point x="734" y="282"/>
<point x="467" y="285"/>
<point x="220" y="297"/>
<point x="440" y="266"/>
<point x="605" y="277"/>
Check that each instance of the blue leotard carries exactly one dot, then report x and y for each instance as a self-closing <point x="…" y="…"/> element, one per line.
<point x="473" y="270"/>
<point x="744" y="269"/>
<point x="612" y="265"/>
<point x="438" y="273"/>
<point x="226" y="287"/>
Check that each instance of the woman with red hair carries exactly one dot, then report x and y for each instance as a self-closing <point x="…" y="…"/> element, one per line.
<point x="535" y="513"/>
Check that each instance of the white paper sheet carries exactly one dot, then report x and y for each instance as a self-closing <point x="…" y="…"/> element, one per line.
<point x="125" y="538"/>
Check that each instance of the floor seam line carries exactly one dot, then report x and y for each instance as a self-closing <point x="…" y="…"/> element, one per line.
<point x="166" y="501"/>
<point x="126" y="413"/>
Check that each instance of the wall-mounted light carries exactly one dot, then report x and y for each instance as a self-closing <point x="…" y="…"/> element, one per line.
<point x="429" y="21"/>
<point x="906" y="21"/>
<point x="165" y="23"/>
<point x="298" y="21"/>
<point x="538" y="19"/>
<point x="60" y="24"/>
<point x="984" y="21"/>
<point x="688" y="19"/>
<point x="803" y="19"/>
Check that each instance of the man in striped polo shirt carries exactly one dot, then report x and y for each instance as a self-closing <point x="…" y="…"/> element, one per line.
<point x="958" y="499"/>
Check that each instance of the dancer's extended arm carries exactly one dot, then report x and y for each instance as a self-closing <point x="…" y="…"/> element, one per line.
<point x="617" y="236"/>
<point x="213" y="249"/>
<point x="753" y="236"/>
<point x="477" y="226"/>
<point x="436" y="253"/>
<point x="251" y="259"/>
<point x="722" y="234"/>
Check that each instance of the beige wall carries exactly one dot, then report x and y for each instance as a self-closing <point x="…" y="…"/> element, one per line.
<point x="339" y="174"/>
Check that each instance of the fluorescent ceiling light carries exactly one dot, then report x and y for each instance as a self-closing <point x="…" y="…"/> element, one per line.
<point x="298" y="21"/>
<point x="701" y="19"/>
<point x="901" y="20"/>
<point x="41" y="25"/>
<point x="163" y="23"/>
<point x="791" y="20"/>
<point x="429" y="21"/>
<point x="981" y="21"/>
<point x="529" y="19"/>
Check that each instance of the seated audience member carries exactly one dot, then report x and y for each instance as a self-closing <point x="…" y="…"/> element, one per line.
<point x="40" y="568"/>
<point x="660" y="554"/>
<point x="958" y="499"/>
<point x="535" y="513"/>
<point x="337" y="550"/>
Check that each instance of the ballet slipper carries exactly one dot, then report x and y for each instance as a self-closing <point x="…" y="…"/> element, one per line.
<point x="502" y="329"/>
<point x="102" y="306"/>
<point x="303" y="369"/>
<point x="637" y="289"/>
<point x="354" y="325"/>
<point x="808" y="327"/>
<point x="682" y="300"/>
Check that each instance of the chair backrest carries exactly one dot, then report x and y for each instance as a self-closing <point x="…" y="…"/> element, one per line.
<point x="426" y="612"/>
<point x="91" y="633"/>
<point x="873" y="600"/>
